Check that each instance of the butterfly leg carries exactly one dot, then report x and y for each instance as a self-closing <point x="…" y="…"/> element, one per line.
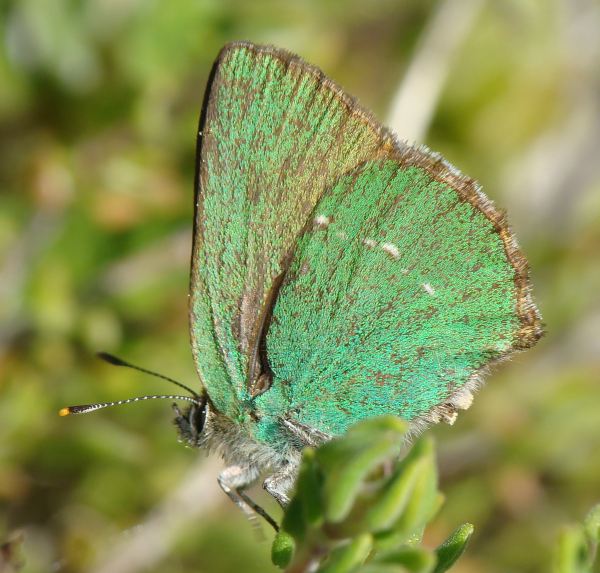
<point x="281" y="482"/>
<point x="233" y="480"/>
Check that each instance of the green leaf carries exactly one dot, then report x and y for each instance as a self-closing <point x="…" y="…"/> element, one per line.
<point x="449" y="551"/>
<point x="389" y="505"/>
<point x="306" y="508"/>
<point x="294" y="521"/>
<point x="591" y="524"/>
<point x="282" y="549"/>
<point x="413" y="559"/>
<point x="347" y="558"/>
<point x="423" y="502"/>
<point x="348" y="461"/>
<point x="384" y="568"/>
<point x="367" y="429"/>
<point x="309" y="489"/>
<point x="572" y="552"/>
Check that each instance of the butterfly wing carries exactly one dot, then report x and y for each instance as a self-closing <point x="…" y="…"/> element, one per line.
<point x="274" y="134"/>
<point x="406" y="286"/>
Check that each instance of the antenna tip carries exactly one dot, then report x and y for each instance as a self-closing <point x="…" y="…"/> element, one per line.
<point x="64" y="411"/>
<point x="111" y="359"/>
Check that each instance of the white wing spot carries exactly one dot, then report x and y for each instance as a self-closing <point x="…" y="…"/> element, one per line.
<point x="429" y="289"/>
<point x="342" y="235"/>
<point x="322" y="221"/>
<point x="369" y="243"/>
<point x="450" y="418"/>
<point x="391" y="250"/>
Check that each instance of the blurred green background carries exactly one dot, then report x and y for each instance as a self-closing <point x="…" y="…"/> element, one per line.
<point x="99" y="103"/>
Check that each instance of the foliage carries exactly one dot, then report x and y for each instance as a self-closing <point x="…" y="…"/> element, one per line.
<point x="577" y="547"/>
<point x="357" y="509"/>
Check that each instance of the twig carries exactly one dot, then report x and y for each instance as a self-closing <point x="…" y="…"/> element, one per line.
<point x="559" y="167"/>
<point x="15" y="270"/>
<point x="152" y="263"/>
<point x="417" y="95"/>
<point x="196" y="496"/>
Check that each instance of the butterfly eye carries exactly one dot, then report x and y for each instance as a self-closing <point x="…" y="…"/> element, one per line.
<point x="198" y="415"/>
<point x="191" y="422"/>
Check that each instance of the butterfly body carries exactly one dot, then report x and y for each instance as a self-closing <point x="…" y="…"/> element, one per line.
<point x="337" y="273"/>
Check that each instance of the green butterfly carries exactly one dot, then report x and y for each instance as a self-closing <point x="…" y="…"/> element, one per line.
<point x="337" y="273"/>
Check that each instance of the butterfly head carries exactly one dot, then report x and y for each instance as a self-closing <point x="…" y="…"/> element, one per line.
<point x="192" y="422"/>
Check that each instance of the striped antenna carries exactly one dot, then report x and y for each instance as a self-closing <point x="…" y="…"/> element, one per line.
<point x="195" y="398"/>
<point x="85" y="408"/>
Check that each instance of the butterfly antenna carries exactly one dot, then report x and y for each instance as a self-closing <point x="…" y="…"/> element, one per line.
<point x="195" y="398"/>
<point x="85" y="408"/>
<point x="116" y="361"/>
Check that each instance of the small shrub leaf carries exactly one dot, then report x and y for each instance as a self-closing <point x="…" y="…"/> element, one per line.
<point x="451" y="549"/>
<point x="572" y="552"/>
<point x="348" y="461"/>
<point x="348" y="558"/>
<point x="413" y="559"/>
<point x="386" y="510"/>
<point x="592" y="524"/>
<point x="282" y="549"/>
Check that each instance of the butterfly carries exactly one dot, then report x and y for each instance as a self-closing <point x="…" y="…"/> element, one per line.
<point x="337" y="274"/>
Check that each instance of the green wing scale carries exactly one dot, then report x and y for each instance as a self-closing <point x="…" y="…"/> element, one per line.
<point x="364" y="275"/>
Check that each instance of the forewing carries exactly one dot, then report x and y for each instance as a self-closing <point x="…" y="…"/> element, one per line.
<point x="407" y="285"/>
<point x="274" y="134"/>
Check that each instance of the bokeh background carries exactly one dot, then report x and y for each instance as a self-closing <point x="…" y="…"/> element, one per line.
<point x="99" y="102"/>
